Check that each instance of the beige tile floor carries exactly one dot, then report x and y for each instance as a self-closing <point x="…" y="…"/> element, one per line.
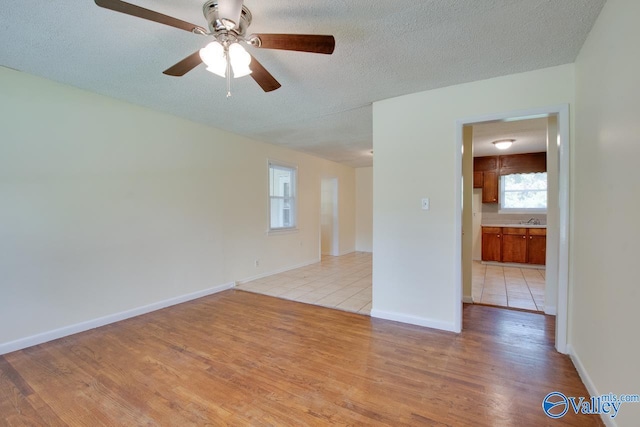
<point x="342" y="282"/>
<point x="508" y="286"/>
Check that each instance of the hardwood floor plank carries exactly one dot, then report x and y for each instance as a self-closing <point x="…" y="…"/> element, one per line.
<point x="240" y="358"/>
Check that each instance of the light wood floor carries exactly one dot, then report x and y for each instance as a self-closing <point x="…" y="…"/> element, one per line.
<point x="240" y="358"/>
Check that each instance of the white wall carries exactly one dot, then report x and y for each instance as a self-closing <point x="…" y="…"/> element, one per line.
<point x="606" y="200"/>
<point x="414" y="141"/>
<point x="106" y="206"/>
<point x="364" y="209"/>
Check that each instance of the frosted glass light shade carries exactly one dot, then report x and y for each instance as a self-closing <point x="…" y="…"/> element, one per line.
<point x="240" y="60"/>
<point x="213" y="56"/>
<point x="503" y="144"/>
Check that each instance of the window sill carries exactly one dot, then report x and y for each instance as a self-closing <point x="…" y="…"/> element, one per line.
<point x="280" y="231"/>
<point x="523" y="211"/>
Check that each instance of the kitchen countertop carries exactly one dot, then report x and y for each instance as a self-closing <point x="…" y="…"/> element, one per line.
<point x="516" y="225"/>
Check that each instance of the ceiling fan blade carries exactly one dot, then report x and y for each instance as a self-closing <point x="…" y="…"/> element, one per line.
<point x="262" y="76"/>
<point x="299" y="42"/>
<point x="150" y="15"/>
<point x="184" y="66"/>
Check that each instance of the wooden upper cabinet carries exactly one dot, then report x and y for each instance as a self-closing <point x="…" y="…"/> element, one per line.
<point x="478" y="179"/>
<point x="487" y="171"/>
<point x="523" y="163"/>
<point x="481" y="164"/>
<point x="490" y="187"/>
<point x="485" y="176"/>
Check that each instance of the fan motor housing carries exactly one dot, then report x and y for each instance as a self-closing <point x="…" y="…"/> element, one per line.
<point x="218" y="23"/>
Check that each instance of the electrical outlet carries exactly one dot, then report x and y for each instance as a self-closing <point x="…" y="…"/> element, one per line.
<point x="257" y="262"/>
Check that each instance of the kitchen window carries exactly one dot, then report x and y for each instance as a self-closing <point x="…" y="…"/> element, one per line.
<point x="523" y="192"/>
<point x="282" y="197"/>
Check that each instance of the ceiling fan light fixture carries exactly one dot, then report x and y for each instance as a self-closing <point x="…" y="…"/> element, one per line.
<point x="503" y="144"/>
<point x="240" y="60"/>
<point x="229" y="12"/>
<point x="213" y="56"/>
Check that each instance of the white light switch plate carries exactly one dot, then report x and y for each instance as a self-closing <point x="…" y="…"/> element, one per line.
<point x="425" y="204"/>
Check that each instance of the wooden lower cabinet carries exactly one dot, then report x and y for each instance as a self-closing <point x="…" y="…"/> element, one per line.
<point x="514" y="244"/>
<point x="492" y="244"/>
<point x="537" y="246"/>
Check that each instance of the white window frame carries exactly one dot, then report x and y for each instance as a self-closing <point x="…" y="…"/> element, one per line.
<point x="293" y="196"/>
<point x="504" y="210"/>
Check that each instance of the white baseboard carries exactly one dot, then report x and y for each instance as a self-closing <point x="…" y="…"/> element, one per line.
<point x="43" y="337"/>
<point x="413" y="320"/>
<point x="282" y="270"/>
<point x="591" y="388"/>
<point x="515" y="265"/>
<point x="550" y="310"/>
<point x="347" y="252"/>
<point x="467" y="300"/>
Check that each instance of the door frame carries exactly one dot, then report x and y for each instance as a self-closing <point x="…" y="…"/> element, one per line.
<point x="332" y="181"/>
<point x="562" y="112"/>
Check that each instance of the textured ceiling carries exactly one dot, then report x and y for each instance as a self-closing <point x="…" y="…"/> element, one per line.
<point x="530" y="137"/>
<point x="383" y="49"/>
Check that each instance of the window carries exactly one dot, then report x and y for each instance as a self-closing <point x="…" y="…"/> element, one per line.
<point x="523" y="192"/>
<point x="282" y="197"/>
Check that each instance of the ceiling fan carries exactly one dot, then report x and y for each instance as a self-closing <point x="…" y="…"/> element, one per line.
<point x="228" y="21"/>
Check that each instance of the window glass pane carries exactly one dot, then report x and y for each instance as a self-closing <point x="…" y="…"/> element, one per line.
<point x="282" y="196"/>
<point x="281" y="213"/>
<point x="524" y="191"/>
<point x="280" y="182"/>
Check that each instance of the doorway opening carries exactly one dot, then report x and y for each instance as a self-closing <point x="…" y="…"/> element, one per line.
<point x="329" y="226"/>
<point x="556" y="274"/>
<point x="509" y="213"/>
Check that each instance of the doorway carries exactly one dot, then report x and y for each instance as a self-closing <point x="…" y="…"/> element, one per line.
<point x="329" y="226"/>
<point x="509" y="257"/>
<point x="556" y="293"/>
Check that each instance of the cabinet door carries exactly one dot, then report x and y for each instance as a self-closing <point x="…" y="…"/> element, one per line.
<point x="478" y="179"/>
<point x="537" y="250"/>
<point x="514" y="247"/>
<point x="490" y="187"/>
<point x="487" y="163"/>
<point x="491" y="246"/>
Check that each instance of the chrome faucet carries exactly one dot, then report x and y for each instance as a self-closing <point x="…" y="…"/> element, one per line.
<point x="534" y="221"/>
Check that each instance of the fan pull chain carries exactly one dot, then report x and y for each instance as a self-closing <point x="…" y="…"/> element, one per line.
<point x="228" y="73"/>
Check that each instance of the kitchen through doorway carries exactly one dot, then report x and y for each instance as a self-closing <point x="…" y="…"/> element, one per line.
<point x="508" y="273"/>
<point x="509" y="209"/>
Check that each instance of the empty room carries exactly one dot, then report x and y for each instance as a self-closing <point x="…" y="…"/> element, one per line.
<point x="233" y="212"/>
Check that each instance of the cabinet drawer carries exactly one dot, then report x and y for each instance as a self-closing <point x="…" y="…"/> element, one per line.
<point x="513" y="230"/>
<point x="537" y="232"/>
<point x="492" y="230"/>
